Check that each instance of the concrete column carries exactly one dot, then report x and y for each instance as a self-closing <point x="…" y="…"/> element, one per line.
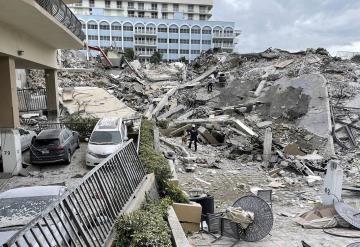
<point x="9" y="117"/>
<point x="52" y="95"/>
<point x="9" y="109"/>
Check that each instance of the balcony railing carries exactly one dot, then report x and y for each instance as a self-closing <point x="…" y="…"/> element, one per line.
<point x="61" y="12"/>
<point x="141" y="31"/>
<point x="224" y="35"/>
<point x="145" y="43"/>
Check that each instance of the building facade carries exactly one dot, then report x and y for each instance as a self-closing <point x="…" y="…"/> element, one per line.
<point x="180" y="28"/>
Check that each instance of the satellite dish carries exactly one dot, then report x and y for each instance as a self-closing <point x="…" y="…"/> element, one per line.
<point x="263" y="218"/>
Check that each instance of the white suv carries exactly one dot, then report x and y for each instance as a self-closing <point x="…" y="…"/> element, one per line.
<point x="108" y="135"/>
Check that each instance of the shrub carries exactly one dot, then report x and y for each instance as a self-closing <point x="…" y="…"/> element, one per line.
<point x="83" y="125"/>
<point x="145" y="227"/>
<point x="157" y="164"/>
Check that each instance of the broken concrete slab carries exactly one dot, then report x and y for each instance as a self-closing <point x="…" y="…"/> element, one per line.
<point x="98" y="103"/>
<point x="284" y="64"/>
<point x="171" y="112"/>
<point x="207" y="135"/>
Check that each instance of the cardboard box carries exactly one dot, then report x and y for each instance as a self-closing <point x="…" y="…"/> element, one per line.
<point x="190" y="227"/>
<point x="188" y="213"/>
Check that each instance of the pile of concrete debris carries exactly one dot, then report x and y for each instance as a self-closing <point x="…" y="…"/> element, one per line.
<point x="278" y="108"/>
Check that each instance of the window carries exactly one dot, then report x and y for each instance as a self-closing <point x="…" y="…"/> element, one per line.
<point x="176" y="7"/>
<point x="195" y="41"/>
<point x="184" y="30"/>
<point x="190" y="8"/>
<point x="104" y="26"/>
<point x="105" y="38"/>
<point x="141" y="14"/>
<point x="92" y="3"/>
<point x="107" y="4"/>
<point x="162" y="40"/>
<point x="165" y="15"/>
<point x="203" y="18"/>
<point x="184" y="51"/>
<point x="116" y="38"/>
<point x="206" y="31"/>
<point x="128" y="38"/>
<point x="164" y="7"/>
<point x="83" y="25"/>
<point x="131" y="5"/>
<point x="154" y="15"/>
<point x="118" y="4"/>
<point x="206" y="42"/>
<point x="154" y="6"/>
<point x="195" y="51"/>
<point x="184" y="41"/>
<point x="92" y="26"/>
<point x="173" y="41"/>
<point x="128" y="28"/>
<point x="195" y="30"/>
<point x="141" y="6"/>
<point x="92" y="37"/>
<point x="190" y="16"/>
<point x="162" y="51"/>
<point x="116" y="27"/>
<point x="162" y="30"/>
<point x="202" y="9"/>
<point x="131" y="14"/>
<point x="173" y="51"/>
<point x="173" y="30"/>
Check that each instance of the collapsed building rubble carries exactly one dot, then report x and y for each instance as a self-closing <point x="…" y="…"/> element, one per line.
<point x="274" y="122"/>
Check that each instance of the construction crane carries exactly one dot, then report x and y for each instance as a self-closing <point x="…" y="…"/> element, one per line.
<point x="96" y="48"/>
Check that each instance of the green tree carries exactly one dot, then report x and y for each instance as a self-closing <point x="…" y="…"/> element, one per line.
<point x="129" y="54"/>
<point x="183" y="60"/>
<point x="156" y="57"/>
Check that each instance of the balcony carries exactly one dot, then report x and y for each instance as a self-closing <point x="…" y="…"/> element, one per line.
<point x="145" y="32"/>
<point x="59" y="10"/>
<point x="144" y="53"/>
<point x="145" y="43"/>
<point x="224" y="35"/>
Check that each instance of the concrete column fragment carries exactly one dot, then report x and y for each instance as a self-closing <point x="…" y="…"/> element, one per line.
<point x="52" y="95"/>
<point x="9" y="117"/>
<point x="267" y="147"/>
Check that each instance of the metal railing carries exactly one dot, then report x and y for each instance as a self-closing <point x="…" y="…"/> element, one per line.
<point x="32" y="99"/>
<point x="62" y="13"/>
<point x="86" y="214"/>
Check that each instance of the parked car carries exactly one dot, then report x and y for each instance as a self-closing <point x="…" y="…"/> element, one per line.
<point x="108" y="135"/>
<point x="54" y="145"/>
<point x="21" y="205"/>
<point x="26" y="137"/>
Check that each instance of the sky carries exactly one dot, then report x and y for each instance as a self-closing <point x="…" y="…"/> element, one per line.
<point x="293" y="24"/>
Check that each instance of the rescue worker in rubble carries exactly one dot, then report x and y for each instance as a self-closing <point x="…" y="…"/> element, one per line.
<point x="193" y="136"/>
<point x="211" y="83"/>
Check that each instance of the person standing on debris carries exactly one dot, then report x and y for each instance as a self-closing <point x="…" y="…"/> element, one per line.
<point x="211" y="83"/>
<point x="193" y="136"/>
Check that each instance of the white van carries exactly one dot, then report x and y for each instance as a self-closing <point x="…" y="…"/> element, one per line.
<point x="108" y="135"/>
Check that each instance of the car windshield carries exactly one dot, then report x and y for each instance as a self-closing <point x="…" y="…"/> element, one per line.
<point x="21" y="210"/>
<point x="105" y="137"/>
<point x="46" y="142"/>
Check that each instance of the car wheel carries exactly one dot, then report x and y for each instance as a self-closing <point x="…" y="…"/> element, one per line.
<point x="68" y="157"/>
